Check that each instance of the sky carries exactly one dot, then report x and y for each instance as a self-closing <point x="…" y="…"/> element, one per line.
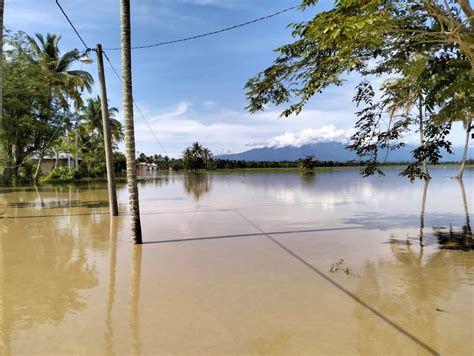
<point x="194" y="91"/>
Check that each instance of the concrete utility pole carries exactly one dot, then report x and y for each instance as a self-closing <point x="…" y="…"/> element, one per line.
<point x="109" y="158"/>
<point x="132" y="183"/>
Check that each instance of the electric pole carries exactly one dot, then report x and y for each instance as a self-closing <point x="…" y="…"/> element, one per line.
<point x="109" y="158"/>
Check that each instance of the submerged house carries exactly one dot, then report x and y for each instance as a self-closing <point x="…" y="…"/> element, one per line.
<point x="147" y="167"/>
<point x="62" y="159"/>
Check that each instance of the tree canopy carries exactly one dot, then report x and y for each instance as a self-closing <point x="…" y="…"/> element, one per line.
<point x="428" y="45"/>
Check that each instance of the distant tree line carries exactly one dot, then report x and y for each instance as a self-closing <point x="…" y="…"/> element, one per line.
<point x="197" y="157"/>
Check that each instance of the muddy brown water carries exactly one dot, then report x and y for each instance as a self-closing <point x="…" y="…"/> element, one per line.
<point x="242" y="263"/>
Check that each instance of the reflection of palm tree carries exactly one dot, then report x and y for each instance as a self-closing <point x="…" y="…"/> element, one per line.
<point x="197" y="184"/>
<point x="37" y="284"/>
<point x="134" y="303"/>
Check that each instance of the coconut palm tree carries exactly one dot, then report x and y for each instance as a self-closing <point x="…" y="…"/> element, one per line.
<point x="92" y="119"/>
<point x="196" y="156"/>
<point x="66" y="83"/>
<point x="136" y="229"/>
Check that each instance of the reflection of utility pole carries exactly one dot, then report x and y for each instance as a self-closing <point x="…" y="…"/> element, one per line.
<point x="109" y="158"/>
<point x="4" y="327"/>
<point x="108" y="334"/>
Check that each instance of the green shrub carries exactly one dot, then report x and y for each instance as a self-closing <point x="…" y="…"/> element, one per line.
<point x="61" y="175"/>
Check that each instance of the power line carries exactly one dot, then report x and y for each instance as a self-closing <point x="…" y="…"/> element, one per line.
<point x="136" y="105"/>
<point x="208" y="33"/>
<point x="116" y="73"/>
<point x="68" y="20"/>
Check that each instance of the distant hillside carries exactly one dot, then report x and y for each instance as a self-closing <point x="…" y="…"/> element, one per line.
<point x="326" y="151"/>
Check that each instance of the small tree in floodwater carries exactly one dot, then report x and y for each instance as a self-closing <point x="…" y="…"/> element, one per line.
<point x="308" y="163"/>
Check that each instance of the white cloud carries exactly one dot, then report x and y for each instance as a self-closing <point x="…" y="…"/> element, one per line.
<point x="224" y="130"/>
<point x="326" y="133"/>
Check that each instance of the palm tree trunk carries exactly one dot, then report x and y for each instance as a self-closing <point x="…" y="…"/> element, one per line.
<point x="466" y="146"/>
<point x="128" y="121"/>
<point x="1" y="76"/>
<point x="422" y="137"/>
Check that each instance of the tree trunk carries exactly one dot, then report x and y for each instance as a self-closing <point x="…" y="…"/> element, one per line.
<point x="128" y="121"/>
<point x="466" y="147"/>
<point x="422" y="211"/>
<point x="422" y="137"/>
<point x="1" y="78"/>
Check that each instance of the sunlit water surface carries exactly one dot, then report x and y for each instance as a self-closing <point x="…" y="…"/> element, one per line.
<point x="243" y="263"/>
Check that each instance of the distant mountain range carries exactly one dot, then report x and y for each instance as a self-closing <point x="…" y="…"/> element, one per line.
<point x="327" y="151"/>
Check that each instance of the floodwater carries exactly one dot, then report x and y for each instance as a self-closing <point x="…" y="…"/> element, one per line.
<point x="242" y="263"/>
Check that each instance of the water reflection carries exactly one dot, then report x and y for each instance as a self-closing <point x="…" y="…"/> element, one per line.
<point x="58" y="275"/>
<point x="414" y="283"/>
<point x="455" y="238"/>
<point x="452" y="229"/>
<point x="42" y="276"/>
<point x="108" y="333"/>
<point x="308" y="178"/>
<point x="134" y="302"/>
<point x="197" y="184"/>
<point x="57" y="204"/>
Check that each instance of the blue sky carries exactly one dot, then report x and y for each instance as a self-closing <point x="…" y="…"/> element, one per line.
<point x="193" y="91"/>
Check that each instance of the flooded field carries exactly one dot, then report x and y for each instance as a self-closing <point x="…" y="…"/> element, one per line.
<point x="241" y="263"/>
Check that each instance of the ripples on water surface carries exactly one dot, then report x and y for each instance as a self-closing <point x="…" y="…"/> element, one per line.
<point x="277" y="263"/>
